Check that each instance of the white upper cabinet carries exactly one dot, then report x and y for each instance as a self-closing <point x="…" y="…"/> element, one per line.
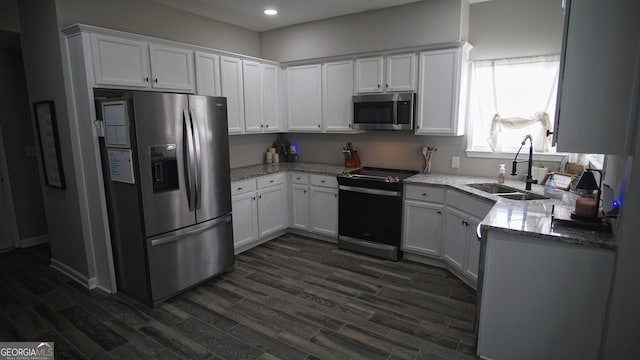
<point x="369" y="74"/>
<point x="270" y="99"/>
<point x="207" y="74"/>
<point x="118" y="61"/>
<point x="171" y="67"/>
<point x="252" y="96"/>
<point x="232" y="88"/>
<point x="337" y="92"/>
<point x="400" y="74"/>
<point x="126" y="62"/>
<point x="304" y="97"/>
<point x="442" y="91"/>
<point x="599" y="75"/>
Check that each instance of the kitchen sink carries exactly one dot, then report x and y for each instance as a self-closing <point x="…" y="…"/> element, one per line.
<point x="492" y="188"/>
<point x="507" y="192"/>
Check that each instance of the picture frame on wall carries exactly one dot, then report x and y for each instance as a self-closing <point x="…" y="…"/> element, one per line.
<point x="49" y="143"/>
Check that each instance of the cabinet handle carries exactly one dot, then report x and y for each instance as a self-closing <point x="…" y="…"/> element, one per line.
<point x="271" y="181"/>
<point x="319" y="126"/>
<point x="387" y="85"/>
<point x="297" y="178"/>
<point x="146" y="79"/>
<point x="267" y="126"/>
<point x="253" y="198"/>
<point x="261" y="126"/>
<point x="349" y="126"/>
<point x="259" y="196"/>
<point x="322" y="181"/>
<point x="378" y="86"/>
<point x="239" y="188"/>
<point x="549" y="132"/>
<point x="418" y="127"/>
<point x="155" y="80"/>
<point x="335" y="195"/>
<point x="438" y="212"/>
<point x="305" y="191"/>
<point x="424" y="194"/>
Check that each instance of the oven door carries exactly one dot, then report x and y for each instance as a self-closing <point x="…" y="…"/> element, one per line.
<point x="370" y="214"/>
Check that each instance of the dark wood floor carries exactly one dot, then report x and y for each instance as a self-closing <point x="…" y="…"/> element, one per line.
<point x="291" y="298"/>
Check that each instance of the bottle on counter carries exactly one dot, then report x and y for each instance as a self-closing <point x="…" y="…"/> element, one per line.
<point x="501" y="173"/>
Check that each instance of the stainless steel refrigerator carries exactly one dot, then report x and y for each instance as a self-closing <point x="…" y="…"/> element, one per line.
<point x="165" y="160"/>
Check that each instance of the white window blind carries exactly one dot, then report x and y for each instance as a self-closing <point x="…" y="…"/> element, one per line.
<point x="511" y="98"/>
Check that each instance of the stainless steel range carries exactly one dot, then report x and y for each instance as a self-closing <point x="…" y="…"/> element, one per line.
<point x="370" y="211"/>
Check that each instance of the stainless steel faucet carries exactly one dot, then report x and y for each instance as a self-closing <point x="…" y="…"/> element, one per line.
<point x="530" y="180"/>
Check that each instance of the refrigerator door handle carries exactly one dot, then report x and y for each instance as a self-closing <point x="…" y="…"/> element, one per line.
<point x="198" y="162"/>
<point x="189" y="160"/>
<point x="193" y="230"/>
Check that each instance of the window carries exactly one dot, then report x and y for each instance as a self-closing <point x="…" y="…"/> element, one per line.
<point x="511" y="98"/>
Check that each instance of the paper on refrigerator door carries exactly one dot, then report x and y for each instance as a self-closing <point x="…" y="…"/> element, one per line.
<point x="121" y="165"/>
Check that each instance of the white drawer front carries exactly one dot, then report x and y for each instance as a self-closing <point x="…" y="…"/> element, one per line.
<point x="243" y="186"/>
<point x="424" y="193"/>
<point x="324" y="180"/>
<point x="471" y="205"/>
<point x="299" y="178"/>
<point x="270" y="180"/>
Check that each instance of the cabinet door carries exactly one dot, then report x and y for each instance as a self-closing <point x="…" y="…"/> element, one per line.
<point x="323" y="211"/>
<point x="422" y="227"/>
<point x="599" y="77"/>
<point x="337" y="88"/>
<point x="454" y="238"/>
<point x="369" y="72"/>
<point x="231" y="88"/>
<point x="270" y="116"/>
<point x="438" y="93"/>
<point x="252" y="96"/>
<point x="118" y="61"/>
<point x="473" y="250"/>
<point x="304" y="92"/>
<point x="401" y="72"/>
<point x="207" y="74"/>
<point x="272" y="210"/>
<point x="245" y="219"/>
<point x="300" y="207"/>
<point x="171" y="68"/>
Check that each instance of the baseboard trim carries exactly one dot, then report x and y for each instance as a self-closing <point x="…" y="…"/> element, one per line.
<point x="89" y="283"/>
<point x="316" y="236"/>
<point x="32" y="241"/>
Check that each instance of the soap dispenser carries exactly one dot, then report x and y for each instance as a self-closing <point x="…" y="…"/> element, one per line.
<point x="501" y="173"/>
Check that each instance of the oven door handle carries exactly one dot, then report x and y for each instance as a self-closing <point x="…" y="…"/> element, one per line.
<point x="370" y="191"/>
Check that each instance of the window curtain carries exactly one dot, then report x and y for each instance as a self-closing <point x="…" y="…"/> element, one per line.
<point x="515" y="85"/>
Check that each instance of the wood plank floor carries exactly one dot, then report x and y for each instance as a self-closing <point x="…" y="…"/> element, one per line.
<point x="290" y="298"/>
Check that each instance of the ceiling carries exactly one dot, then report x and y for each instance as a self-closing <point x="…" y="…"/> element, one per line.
<point x="249" y="13"/>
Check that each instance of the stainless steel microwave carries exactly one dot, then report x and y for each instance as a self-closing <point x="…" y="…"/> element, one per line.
<point x="384" y="111"/>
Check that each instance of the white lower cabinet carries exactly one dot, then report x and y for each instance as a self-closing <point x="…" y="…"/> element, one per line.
<point x="443" y="226"/>
<point x="259" y="208"/>
<point x="299" y="201"/>
<point x="422" y="227"/>
<point x="323" y="210"/>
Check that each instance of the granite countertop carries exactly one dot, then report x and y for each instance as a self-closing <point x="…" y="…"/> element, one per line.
<point x="531" y="217"/>
<point x="247" y="172"/>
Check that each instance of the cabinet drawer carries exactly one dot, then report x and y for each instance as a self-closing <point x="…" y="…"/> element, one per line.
<point x="299" y="178"/>
<point x="243" y="186"/>
<point x="424" y="193"/>
<point x="270" y="180"/>
<point x="468" y="204"/>
<point x="324" y="180"/>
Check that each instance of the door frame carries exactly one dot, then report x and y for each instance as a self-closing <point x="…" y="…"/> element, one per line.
<point x="6" y="189"/>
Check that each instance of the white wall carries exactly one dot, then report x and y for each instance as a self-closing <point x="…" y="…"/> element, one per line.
<point x="43" y="71"/>
<point x="400" y="150"/>
<point x="247" y="150"/>
<point x="153" y="19"/>
<point x="414" y="24"/>
<point x="521" y="27"/>
<point x="513" y="28"/>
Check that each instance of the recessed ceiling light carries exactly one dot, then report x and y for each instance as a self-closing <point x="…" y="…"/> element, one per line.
<point x="271" y="12"/>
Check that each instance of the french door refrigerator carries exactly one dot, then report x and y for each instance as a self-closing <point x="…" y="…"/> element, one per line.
<point x="165" y="160"/>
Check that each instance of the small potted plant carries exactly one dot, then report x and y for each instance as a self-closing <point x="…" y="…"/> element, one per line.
<point x="539" y="171"/>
